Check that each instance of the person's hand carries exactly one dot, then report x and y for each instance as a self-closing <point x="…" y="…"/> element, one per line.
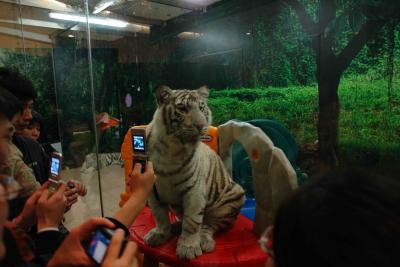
<point x="51" y="207"/>
<point x="71" y="252"/>
<point x="114" y="257"/>
<point x="141" y="184"/>
<point x="27" y="217"/>
<point x="80" y="188"/>
<point x="71" y="195"/>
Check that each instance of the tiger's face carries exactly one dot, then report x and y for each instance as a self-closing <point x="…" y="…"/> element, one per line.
<point x="185" y="113"/>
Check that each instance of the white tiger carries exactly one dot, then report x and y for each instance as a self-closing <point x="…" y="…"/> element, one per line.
<point x="191" y="177"/>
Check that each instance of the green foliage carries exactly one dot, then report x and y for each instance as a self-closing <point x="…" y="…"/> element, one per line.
<point x="280" y="51"/>
<point x="367" y="125"/>
<point x="39" y="70"/>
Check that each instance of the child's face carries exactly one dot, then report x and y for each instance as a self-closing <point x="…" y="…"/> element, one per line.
<point x="32" y="131"/>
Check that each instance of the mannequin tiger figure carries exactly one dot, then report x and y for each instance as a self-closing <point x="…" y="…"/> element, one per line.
<point x="191" y="178"/>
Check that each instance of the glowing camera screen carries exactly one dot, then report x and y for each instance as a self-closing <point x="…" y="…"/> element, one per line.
<point x="138" y="143"/>
<point x="55" y="166"/>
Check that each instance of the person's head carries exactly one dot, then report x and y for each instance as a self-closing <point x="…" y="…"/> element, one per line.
<point x="342" y="219"/>
<point x="11" y="110"/>
<point x="23" y="89"/>
<point x="33" y="130"/>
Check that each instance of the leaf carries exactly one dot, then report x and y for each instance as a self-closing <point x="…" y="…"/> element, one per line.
<point x="356" y="20"/>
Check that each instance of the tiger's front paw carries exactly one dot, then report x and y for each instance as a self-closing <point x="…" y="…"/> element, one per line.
<point x="188" y="247"/>
<point x="156" y="237"/>
<point x="207" y="243"/>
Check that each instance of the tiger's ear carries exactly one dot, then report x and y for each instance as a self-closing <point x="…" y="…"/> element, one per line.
<point x="163" y="93"/>
<point x="203" y="91"/>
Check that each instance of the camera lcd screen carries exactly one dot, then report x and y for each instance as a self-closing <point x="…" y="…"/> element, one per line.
<point x="55" y="166"/>
<point x="138" y="143"/>
<point x="98" y="246"/>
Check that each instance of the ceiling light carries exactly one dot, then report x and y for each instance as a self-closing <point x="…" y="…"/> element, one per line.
<point x="70" y="36"/>
<point x="190" y="35"/>
<point x="103" y="5"/>
<point x="92" y="20"/>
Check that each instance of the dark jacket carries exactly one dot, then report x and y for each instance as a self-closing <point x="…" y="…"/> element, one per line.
<point x="22" y="251"/>
<point x="34" y="156"/>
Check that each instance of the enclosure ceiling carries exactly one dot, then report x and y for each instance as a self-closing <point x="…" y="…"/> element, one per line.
<point x="140" y="14"/>
<point x="154" y="11"/>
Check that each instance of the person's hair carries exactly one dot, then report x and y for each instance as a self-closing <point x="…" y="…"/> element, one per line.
<point x="38" y="119"/>
<point x="17" y="84"/>
<point x="9" y="104"/>
<point x="341" y="219"/>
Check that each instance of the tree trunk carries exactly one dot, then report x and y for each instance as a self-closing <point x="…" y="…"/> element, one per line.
<point x="328" y="119"/>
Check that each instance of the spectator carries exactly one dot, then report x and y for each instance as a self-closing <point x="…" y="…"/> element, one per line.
<point x="48" y="209"/>
<point x="343" y="219"/>
<point x="28" y="161"/>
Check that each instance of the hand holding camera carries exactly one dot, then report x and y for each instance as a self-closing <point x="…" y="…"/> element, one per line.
<point x="72" y="252"/>
<point x="51" y="207"/>
<point x="141" y="184"/>
<point x="27" y="217"/>
<point x="139" y="147"/>
<point x="120" y="255"/>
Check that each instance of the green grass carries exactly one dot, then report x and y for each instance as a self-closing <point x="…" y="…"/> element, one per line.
<point x="369" y="130"/>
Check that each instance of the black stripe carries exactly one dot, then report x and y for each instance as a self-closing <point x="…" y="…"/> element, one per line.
<point x="187" y="189"/>
<point x="227" y="200"/>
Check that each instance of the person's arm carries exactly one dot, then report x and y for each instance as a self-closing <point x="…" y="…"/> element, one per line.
<point x="50" y="210"/>
<point x="141" y="184"/>
<point x="21" y="172"/>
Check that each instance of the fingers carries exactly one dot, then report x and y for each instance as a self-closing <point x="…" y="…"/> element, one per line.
<point x="71" y="191"/>
<point x="43" y="196"/>
<point x="44" y="186"/>
<point x="129" y="252"/>
<point x="60" y="191"/>
<point x="84" y="231"/>
<point x="137" y="168"/>
<point x="36" y="195"/>
<point x="115" y="244"/>
<point x="149" y="167"/>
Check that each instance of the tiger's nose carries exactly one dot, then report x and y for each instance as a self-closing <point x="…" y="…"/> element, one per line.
<point x="199" y="126"/>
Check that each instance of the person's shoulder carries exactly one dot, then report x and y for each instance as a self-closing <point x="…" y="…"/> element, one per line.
<point x="14" y="150"/>
<point x="19" y="139"/>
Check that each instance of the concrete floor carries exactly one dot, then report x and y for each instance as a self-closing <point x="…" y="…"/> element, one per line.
<point x="112" y="183"/>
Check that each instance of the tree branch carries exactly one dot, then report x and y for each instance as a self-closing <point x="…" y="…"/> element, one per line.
<point x="326" y="13"/>
<point x="305" y="19"/>
<point x="367" y="32"/>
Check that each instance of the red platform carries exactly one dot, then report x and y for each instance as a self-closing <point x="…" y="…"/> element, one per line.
<point x="235" y="247"/>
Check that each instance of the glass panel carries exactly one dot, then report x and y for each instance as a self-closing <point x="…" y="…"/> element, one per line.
<point x="54" y="55"/>
<point x="261" y="62"/>
<point x="11" y="36"/>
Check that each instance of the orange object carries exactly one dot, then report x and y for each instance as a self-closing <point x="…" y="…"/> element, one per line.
<point x="255" y="154"/>
<point x="105" y="121"/>
<point x="211" y="138"/>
